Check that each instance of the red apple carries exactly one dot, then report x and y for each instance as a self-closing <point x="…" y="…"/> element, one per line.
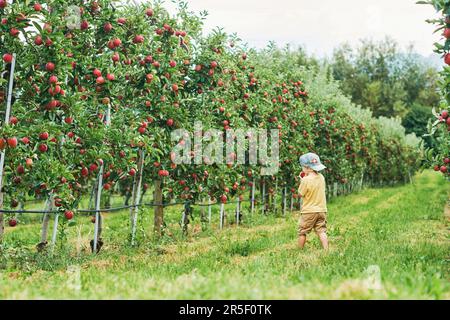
<point x="53" y="79"/>
<point x="170" y="122"/>
<point x="141" y="130"/>
<point x="38" y="41"/>
<point x="97" y="73"/>
<point x="68" y="214"/>
<point x="7" y="58"/>
<point x="447" y="58"/>
<point x="29" y="162"/>
<point x="447" y="33"/>
<point x="149" y="12"/>
<point x="138" y="39"/>
<point x="13" y="120"/>
<point x="43" y="148"/>
<point x="12" y="222"/>
<point x="117" y="42"/>
<point x="44" y="136"/>
<point x="443" y="169"/>
<point x="223" y="199"/>
<point x="84" y="25"/>
<point x="20" y="169"/>
<point x="14" y="32"/>
<point x="84" y="172"/>
<point x="107" y="27"/>
<point x="12" y="142"/>
<point x="50" y="66"/>
<point x="37" y="7"/>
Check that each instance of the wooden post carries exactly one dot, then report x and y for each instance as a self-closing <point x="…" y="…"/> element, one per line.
<point x="55" y="231"/>
<point x="284" y="201"/>
<point x="238" y="209"/>
<point x="253" y="197"/>
<point x="133" y="199"/>
<point x="274" y="197"/>
<point x="98" y="216"/>
<point x="183" y="222"/>
<point x="292" y="201"/>
<point x="209" y="210"/>
<point x="137" y="195"/>
<point x="98" y="223"/>
<point x="45" y="222"/>
<point x="202" y="213"/>
<point x="159" y="209"/>
<point x="263" y="202"/>
<point x="222" y="213"/>
<point x="3" y="153"/>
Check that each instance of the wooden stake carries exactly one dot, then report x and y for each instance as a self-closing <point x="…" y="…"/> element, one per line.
<point x="292" y="202"/>
<point x="253" y="197"/>
<point x="222" y="209"/>
<point x="238" y="209"/>
<point x="46" y="219"/>
<point x="55" y="231"/>
<point x="159" y="209"/>
<point x="263" y="202"/>
<point x="137" y="195"/>
<point x="3" y="154"/>
<point x="209" y="210"/>
<point x="98" y="217"/>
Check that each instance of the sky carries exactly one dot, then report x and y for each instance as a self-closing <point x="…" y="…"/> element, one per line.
<point x="322" y="25"/>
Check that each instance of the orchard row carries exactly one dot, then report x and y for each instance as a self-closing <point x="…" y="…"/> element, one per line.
<point x="440" y="157"/>
<point x="93" y="99"/>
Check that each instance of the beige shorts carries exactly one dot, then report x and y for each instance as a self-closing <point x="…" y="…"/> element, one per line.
<point x="310" y="221"/>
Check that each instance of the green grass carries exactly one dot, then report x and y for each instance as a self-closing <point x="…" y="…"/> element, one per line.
<point x="400" y="230"/>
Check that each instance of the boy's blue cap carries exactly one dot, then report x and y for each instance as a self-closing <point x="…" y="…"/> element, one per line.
<point x="312" y="161"/>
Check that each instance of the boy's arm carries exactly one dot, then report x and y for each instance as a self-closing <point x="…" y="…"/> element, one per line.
<point x="303" y="187"/>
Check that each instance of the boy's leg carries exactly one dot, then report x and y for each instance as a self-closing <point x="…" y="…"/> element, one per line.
<point x="323" y="240"/>
<point x="321" y="229"/>
<point x="307" y="222"/>
<point x="302" y="241"/>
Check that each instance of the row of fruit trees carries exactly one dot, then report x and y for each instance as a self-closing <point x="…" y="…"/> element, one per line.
<point x="440" y="129"/>
<point x="92" y="90"/>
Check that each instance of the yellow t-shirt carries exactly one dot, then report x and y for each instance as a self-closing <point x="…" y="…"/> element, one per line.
<point x="312" y="190"/>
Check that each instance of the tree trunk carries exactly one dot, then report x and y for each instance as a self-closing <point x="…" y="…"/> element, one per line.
<point x="159" y="209"/>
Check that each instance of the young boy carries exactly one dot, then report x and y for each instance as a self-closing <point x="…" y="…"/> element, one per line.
<point x="314" y="209"/>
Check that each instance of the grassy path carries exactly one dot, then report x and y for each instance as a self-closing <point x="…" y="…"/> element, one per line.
<point x="399" y="231"/>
